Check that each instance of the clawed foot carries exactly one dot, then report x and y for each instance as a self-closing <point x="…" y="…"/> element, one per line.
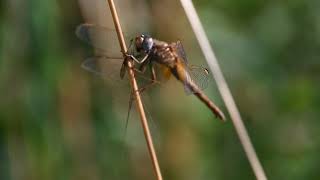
<point x="129" y="56"/>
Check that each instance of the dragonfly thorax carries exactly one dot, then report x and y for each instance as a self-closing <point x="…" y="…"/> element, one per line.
<point x="144" y="43"/>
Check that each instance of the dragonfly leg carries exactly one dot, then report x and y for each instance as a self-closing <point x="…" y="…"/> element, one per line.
<point x="142" y="69"/>
<point x="152" y="81"/>
<point x="137" y="60"/>
<point x="128" y="113"/>
<point x="142" y="76"/>
<point x="123" y="69"/>
<point x="143" y="66"/>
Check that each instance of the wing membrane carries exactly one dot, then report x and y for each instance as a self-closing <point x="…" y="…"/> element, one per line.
<point x="103" y="39"/>
<point x="105" y="67"/>
<point x="198" y="74"/>
<point x="181" y="52"/>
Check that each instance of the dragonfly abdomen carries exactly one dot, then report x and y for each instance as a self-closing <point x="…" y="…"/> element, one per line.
<point x="164" y="54"/>
<point x="197" y="92"/>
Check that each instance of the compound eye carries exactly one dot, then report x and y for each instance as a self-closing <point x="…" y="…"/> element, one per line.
<point x="139" y="42"/>
<point x="147" y="44"/>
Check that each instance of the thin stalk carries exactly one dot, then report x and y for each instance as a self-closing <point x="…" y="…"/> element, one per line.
<point x="136" y="93"/>
<point x="224" y="89"/>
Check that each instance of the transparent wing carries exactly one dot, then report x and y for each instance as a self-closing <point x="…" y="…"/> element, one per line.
<point x="181" y="52"/>
<point x="105" y="67"/>
<point x="103" y="39"/>
<point x="198" y="74"/>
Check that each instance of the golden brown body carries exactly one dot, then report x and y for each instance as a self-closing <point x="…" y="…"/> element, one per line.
<point x="168" y="55"/>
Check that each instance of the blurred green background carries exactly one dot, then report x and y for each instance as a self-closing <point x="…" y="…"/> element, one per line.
<point x="58" y="121"/>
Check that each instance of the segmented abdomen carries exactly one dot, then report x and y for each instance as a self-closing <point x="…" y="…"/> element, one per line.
<point x="185" y="78"/>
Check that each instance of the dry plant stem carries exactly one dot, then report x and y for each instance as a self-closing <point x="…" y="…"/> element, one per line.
<point x="136" y="94"/>
<point x="223" y="88"/>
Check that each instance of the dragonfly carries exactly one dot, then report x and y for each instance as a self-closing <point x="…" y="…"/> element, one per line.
<point x="146" y="51"/>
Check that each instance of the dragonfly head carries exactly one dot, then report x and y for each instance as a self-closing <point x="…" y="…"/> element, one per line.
<point x="143" y="43"/>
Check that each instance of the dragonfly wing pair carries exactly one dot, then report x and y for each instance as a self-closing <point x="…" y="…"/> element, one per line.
<point x="103" y="39"/>
<point x="108" y="59"/>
